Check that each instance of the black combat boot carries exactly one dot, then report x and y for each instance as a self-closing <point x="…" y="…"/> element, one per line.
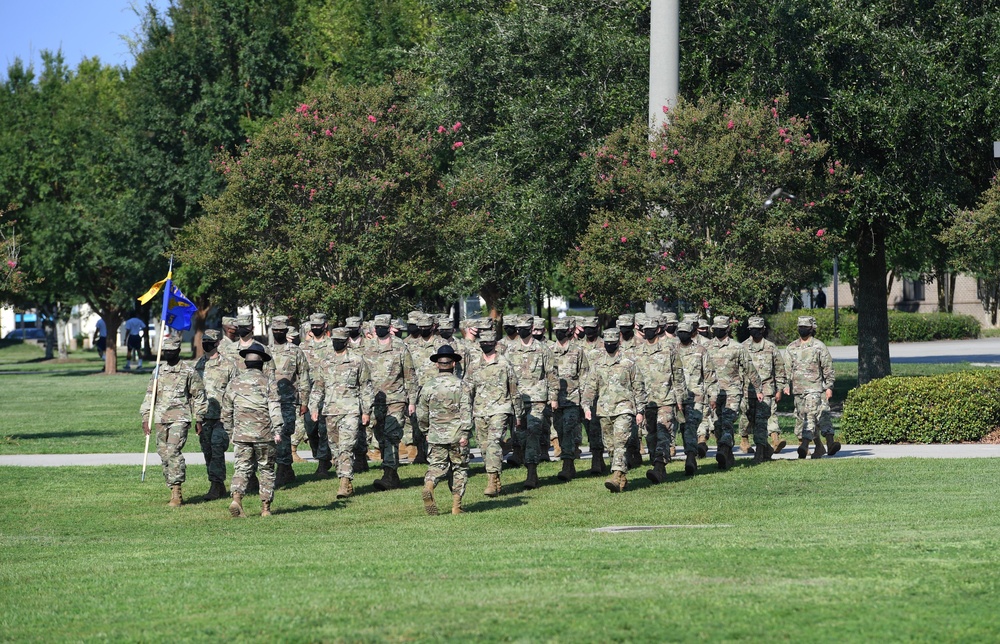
<point x="659" y="472"/>
<point x="531" y="482"/>
<point x="832" y="446"/>
<point x="568" y="470"/>
<point x="690" y="464"/>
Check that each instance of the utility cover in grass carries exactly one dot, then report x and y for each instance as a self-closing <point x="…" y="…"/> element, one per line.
<point x="643" y="528"/>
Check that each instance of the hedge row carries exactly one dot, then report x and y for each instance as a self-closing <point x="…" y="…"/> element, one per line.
<point x="903" y="327"/>
<point x="962" y="406"/>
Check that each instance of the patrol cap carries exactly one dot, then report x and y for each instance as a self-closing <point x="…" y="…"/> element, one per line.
<point x="340" y="333"/>
<point x="279" y="323"/>
<point x="686" y="325"/>
<point x="720" y="322"/>
<point x="413" y="317"/>
<point x="590" y="322"/>
<point x="626" y="319"/>
<point x="441" y="317"/>
<point x="670" y="318"/>
<point x="702" y="323"/>
<point x="806" y="320"/>
<point x="510" y="320"/>
<point x="317" y="319"/>
<point x="488" y="336"/>
<point x="612" y="335"/>
<point x="524" y="320"/>
<point x="641" y="320"/>
<point x="538" y="323"/>
<point x="658" y="319"/>
<point x="755" y="322"/>
<point x="228" y="320"/>
<point x="172" y="343"/>
<point x="257" y="348"/>
<point x="484" y="324"/>
<point x="424" y="319"/>
<point x="561" y="323"/>
<point x="244" y="319"/>
<point x="383" y="319"/>
<point x="446" y="323"/>
<point x="690" y="317"/>
<point x="353" y="322"/>
<point x="211" y="335"/>
<point x="399" y="323"/>
<point x="293" y="333"/>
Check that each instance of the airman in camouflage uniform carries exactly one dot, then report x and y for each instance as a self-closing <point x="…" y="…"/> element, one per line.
<point x="626" y="326"/>
<point x="496" y="404"/>
<point x="701" y="392"/>
<point x="617" y="388"/>
<point x="291" y="372"/>
<point x="356" y="341"/>
<point x="593" y="349"/>
<point x="215" y="371"/>
<point x="315" y="345"/>
<point x="444" y="410"/>
<point x="810" y="372"/>
<point x="343" y="393"/>
<point x="670" y="323"/>
<point x="771" y="369"/>
<point x="395" y="384"/>
<point x="733" y="367"/>
<point x="228" y="337"/>
<point x="549" y="438"/>
<point x="539" y="388"/>
<point x="663" y="375"/>
<point x="422" y="347"/>
<point x="180" y="399"/>
<point x="571" y="367"/>
<point x="251" y="414"/>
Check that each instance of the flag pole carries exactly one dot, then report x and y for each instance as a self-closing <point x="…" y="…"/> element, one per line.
<point x="156" y="369"/>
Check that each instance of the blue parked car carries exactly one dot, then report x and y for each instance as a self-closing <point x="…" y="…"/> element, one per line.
<point x="30" y="333"/>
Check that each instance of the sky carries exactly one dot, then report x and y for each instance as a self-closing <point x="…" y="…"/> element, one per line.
<point x="82" y="28"/>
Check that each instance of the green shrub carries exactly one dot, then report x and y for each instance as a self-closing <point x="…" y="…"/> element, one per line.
<point x="903" y="327"/>
<point x="963" y="406"/>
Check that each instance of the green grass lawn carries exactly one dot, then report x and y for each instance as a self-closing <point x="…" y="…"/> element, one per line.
<point x="831" y="550"/>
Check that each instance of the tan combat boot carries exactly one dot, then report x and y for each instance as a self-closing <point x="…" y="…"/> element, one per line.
<point x="745" y="444"/>
<point x="265" y="508"/>
<point x="456" y="504"/>
<point x="622" y="481"/>
<point x="428" y="495"/>
<point x="295" y="455"/>
<point x="493" y="487"/>
<point x="776" y="443"/>
<point x="236" y="507"/>
<point x="613" y="483"/>
<point x="346" y="488"/>
<point x="832" y="446"/>
<point x="820" y="451"/>
<point x="175" y="496"/>
<point x="556" y="450"/>
<point x="673" y="451"/>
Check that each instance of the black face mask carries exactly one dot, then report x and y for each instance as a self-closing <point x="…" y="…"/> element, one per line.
<point x="254" y="364"/>
<point x="628" y="332"/>
<point x="649" y="333"/>
<point x="611" y="347"/>
<point x="538" y="334"/>
<point x="488" y="347"/>
<point x="590" y="332"/>
<point x="244" y="331"/>
<point x="705" y="334"/>
<point x="510" y="330"/>
<point x="382" y="331"/>
<point x="684" y="337"/>
<point x="172" y="357"/>
<point x="671" y="329"/>
<point x="720" y="333"/>
<point x="426" y="333"/>
<point x="208" y="347"/>
<point x="446" y="335"/>
<point x="280" y="337"/>
<point x="757" y="334"/>
<point x="411" y="330"/>
<point x="339" y="345"/>
<point x="805" y="332"/>
<point x="317" y="331"/>
<point x="561" y="334"/>
<point x="354" y="333"/>
<point x="524" y="332"/>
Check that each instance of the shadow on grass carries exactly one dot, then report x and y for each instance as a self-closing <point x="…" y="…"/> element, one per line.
<point x="43" y="435"/>
<point x="503" y="502"/>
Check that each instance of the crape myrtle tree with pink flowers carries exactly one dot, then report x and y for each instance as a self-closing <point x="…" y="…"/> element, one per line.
<point x="680" y="213"/>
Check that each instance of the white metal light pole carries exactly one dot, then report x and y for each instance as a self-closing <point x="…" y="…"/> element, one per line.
<point x="664" y="58"/>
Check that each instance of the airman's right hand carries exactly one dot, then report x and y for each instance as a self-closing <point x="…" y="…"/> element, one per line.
<point x="145" y="427"/>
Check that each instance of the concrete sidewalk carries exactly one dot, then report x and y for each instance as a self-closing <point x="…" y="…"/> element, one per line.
<point x="985" y="351"/>
<point x="961" y="450"/>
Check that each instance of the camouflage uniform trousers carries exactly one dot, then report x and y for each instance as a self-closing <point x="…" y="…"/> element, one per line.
<point x="214" y="442"/>
<point x="727" y="411"/>
<point x="694" y="415"/>
<point x="388" y="431"/>
<point x="489" y="435"/>
<point x="248" y="457"/>
<point x="170" y="440"/>
<point x="764" y="416"/>
<point x="289" y="412"/>
<point x="660" y="422"/>
<point x="812" y="413"/>
<point x="617" y="430"/>
<point x="342" y="431"/>
<point x="531" y="431"/>
<point x="300" y="431"/>
<point x="448" y="459"/>
<point x="566" y="422"/>
<point x="708" y="420"/>
<point x="745" y="415"/>
<point x="319" y="440"/>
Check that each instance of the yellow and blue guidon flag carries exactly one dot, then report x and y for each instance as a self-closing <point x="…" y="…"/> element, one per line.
<point x="177" y="309"/>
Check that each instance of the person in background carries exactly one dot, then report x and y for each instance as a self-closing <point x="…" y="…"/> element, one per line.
<point x="133" y="341"/>
<point x="101" y="337"/>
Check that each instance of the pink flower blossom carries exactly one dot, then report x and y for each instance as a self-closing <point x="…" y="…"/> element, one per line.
<point x="652" y="154"/>
<point x="605" y="224"/>
<point x="624" y="239"/>
<point x="372" y="119"/>
<point x="328" y="133"/>
<point x="730" y="125"/>
<point x="676" y="152"/>
<point x="302" y="109"/>
<point x="441" y="129"/>
<point x="820" y="232"/>
<point x="456" y="145"/>
<point x="454" y="204"/>
<point x="457" y="126"/>
<point x="670" y="161"/>
<point x="649" y="279"/>
<point x="666" y="109"/>
<point x="704" y="304"/>
<point x="831" y="170"/>
<point x="662" y="267"/>
<point x="11" y="263"/>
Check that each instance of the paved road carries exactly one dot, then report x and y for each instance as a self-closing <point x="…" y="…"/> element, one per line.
<point x="963" y="450"/>
<point x="983" y="351"/>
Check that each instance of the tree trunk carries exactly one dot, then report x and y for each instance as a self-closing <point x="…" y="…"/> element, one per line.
<point x="873" y="314"/>
<point x="491" y="294"/>
<point x="112" y="319"/>
<point x="940" y="276"/>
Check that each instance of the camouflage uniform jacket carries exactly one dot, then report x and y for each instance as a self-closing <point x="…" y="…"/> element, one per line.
<point x="616" y="385"/>
<point x="628" y="345"/>
<point x="810" y="366"/>
<point x="733" y="366"/>
<point x="251" y="408"/>
<point x="227" y="348"/>
<point x="291" y="371"/>
<point x="180" y="395"/>
<point x="420" y="352"/>
<point x="662" y="372"/>
<point x="215" y="374"/>
<point x="571" y="368"/>
<point x="536" y="376"/>
<point x="238" y="361"/>
<point x="699" y="372"/>
<point x="593" y="352"/>
<point x="493" y="388"/>
<point x="769" y="364"/>
<point x="444" y="410"/>
<point x="342" y="384"/>
<point x="392" y="373"/>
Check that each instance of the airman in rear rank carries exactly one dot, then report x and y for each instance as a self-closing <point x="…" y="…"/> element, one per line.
<point x="810" y="372"/>
<point x="763" y="415"/>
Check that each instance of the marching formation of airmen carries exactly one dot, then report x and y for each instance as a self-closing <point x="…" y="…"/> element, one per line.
<point x="343" y="391"/>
